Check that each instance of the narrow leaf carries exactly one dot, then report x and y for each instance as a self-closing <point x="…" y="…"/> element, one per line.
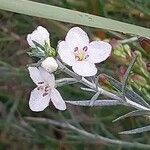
<point x="128" y="93"/>
<point x="65" y="81"/>
<point x="38" y="45"/>
<point x="134" y="113"/>
<point x="137" y="130"/>
<point x="96" y="103"/>
<point x="36" y="53"/>
<point x="66" y="15"/>
<point x="126" y="76"/>
<point x="93" y="99"/>
<point x="87" y="89"/>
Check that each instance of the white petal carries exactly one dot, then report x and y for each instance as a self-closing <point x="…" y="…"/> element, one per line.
<point x="48" y="78"/>
<point x="37" y="101"/>
<point x="29" y="40"/>
<point x="57" y="100"/>
<point x="43" y="33"/>
<point x="34" y="36"/>
<point x="39" y="35"/>
<point x="76" y="37"/>
<point x="84" y="68"/>
<point x="66" y="53"/>
<point x="98" y="51"/>
<point x="35" y="75"/>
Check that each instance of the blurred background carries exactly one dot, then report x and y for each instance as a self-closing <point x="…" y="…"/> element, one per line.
<point x="18" y="133"/>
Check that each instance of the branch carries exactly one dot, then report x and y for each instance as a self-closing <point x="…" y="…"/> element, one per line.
<point x="102" y="91"/>
<point x="98" y="138"/>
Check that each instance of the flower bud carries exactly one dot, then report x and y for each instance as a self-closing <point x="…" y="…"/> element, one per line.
<point x="145" y="43"/>
<point x="148" y="66"/>
<point x="50" y="64"/>
<point x="139" y="80"/>
<point x="127" y="49"/>
<point x="40" y="35"/>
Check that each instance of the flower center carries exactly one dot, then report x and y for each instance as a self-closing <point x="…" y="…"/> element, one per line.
<point x="45" y="88"/>
<point x="81" y="54"/>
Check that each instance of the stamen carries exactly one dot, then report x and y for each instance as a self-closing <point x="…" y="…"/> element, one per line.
<point x="46" y="89"/>
<point x="44" y="94"/>
<point x="77" y="58"/>
<point x="40" y="82"/>
<point x="40" y="88"/>
<point x="86" y="56"/>
<point x="76" y="49"/>
<point x="85" y="48"/>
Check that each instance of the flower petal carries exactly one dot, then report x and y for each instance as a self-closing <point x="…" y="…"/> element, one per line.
<point x="35" y="75"/>
<point x="44" y="34"/>
<point x="66" y="53"/>
<point x="76" y="37"/>
<point x="39" y="35"/>
<point x="84" y="68"/>
<point x="35" y="37"/>
<point x="57" y="100"/>
<point x="48" y="78"/>
<point x="37" y="101"/>
<point x="29" y="40"/>
<point x="98" y="51"/>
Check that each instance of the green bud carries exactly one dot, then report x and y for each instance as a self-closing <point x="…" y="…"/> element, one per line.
<point x="127" y="49"/>
<point x="119" y="51"/>
<point x="139" y="80"/>
<point x="51" y="52"/>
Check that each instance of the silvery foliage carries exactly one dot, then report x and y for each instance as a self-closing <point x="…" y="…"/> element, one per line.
<point x="124" y="96"/>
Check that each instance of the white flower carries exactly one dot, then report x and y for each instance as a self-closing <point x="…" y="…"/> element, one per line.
<point x="40" y="36"/>
<point x="49" y="64"/>
<point x="45" y="90"/>
<point x="78" y="52"/>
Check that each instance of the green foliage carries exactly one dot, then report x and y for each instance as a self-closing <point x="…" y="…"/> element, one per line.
<point x="65" y="15"/>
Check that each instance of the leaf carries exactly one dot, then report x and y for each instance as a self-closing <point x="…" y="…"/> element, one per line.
<point x="128" y="93"/>
<point x="95" y="96"/>
<point x="66" y="15"/>
<point x="87" y="89"/>
<point x="134" y="113"/>
<point x="137" y="130"/>
<point x="96" y="103"/>
<point x="65" y="81"/>
<point x="38" y="45"/>
<point x="126" y="76"/>
<point x="11" y="114"/>
<point x="36" y="53"/>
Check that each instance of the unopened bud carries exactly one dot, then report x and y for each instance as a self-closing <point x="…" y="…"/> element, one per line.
<point x="148" y="67"/>
<point x="127" y="49"/>
<point x="50" y="64"/>
<point x="121" y="72"/>
<point x="145" y="43"/>
<point x="139" y="80"/>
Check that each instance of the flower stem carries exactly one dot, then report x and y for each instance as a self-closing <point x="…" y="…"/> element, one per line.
<point x="89" y="84"/>
<point x="93" y="137"/>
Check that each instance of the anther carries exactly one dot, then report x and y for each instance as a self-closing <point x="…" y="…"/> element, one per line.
<point x="44" y="94"/>
<point x="75" y="49"/>
<point x="46" y="89"/>
<point x="86" y="56"/>
<point x="77" y="57"/>
<point x="40" y="88"/>
<point x="40" y="82"/>
<point x="85" y="48"/>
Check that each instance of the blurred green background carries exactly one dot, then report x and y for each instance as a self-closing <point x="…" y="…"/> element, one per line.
<point x="17" y="133"/>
